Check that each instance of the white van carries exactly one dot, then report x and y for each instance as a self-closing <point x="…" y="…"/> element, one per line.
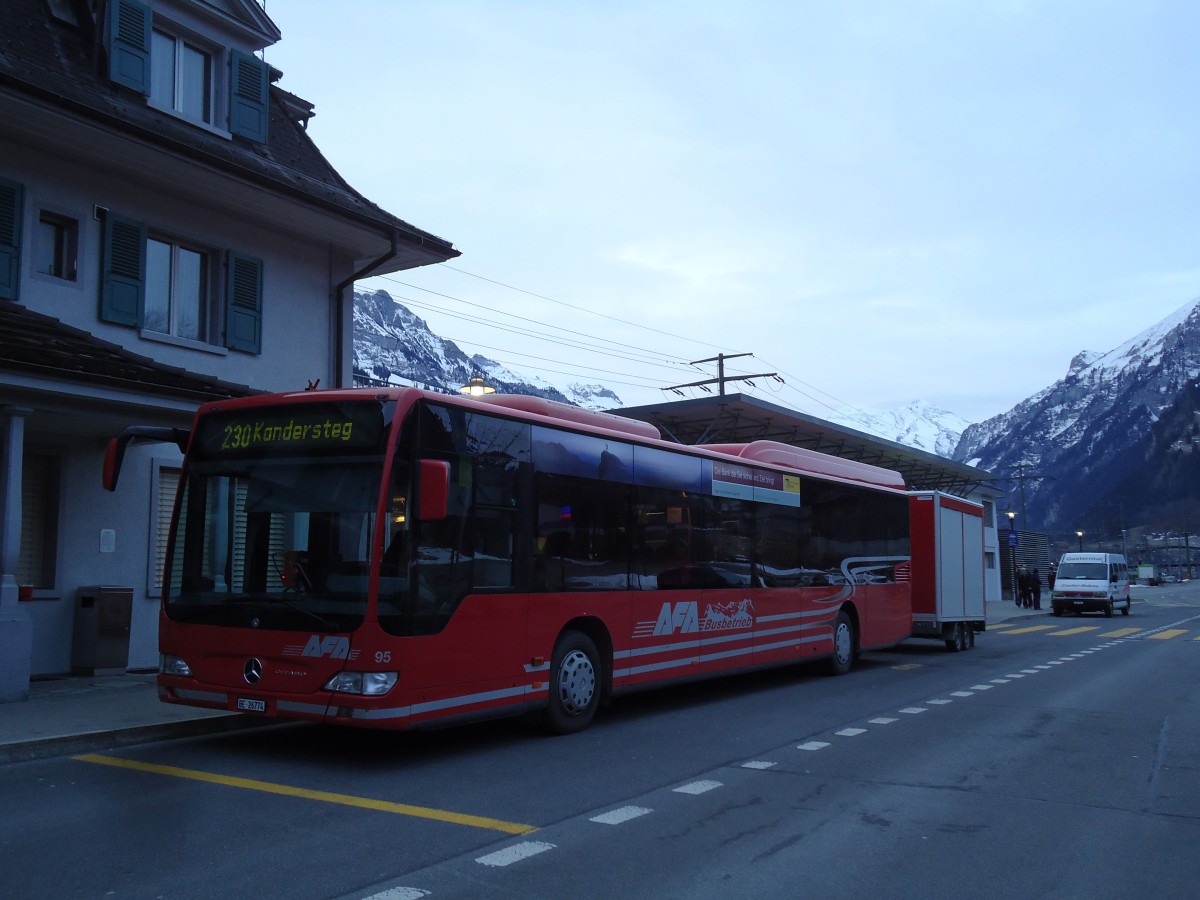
<point x="1091" y="582"/>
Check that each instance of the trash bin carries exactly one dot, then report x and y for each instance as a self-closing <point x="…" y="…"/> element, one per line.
<point x="100" y="645"/>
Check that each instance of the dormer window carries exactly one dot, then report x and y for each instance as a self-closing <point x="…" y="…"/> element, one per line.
<point x="181" y="77"/>
<point x="221" y="87"/>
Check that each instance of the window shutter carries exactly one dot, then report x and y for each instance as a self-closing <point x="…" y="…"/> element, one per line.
<point x="11" y="197"/>
<point x="123" y="285"/>
<point x="164" y="502"/>
<point x="129" y="45"/>
<point x="38" y="502"/>
<point x="243" y="303"/>
<point x="248" y="86"/>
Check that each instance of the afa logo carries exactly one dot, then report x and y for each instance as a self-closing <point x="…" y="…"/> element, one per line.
<point x="677" y="617"/>
<point x="684" y="618"/>
<point x="331" y="646"/>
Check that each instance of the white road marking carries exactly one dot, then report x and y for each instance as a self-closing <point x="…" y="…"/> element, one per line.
<point x="812" y="745"/>
<point x="882" y="720"/>
<point x="617" y="816"/>
<point x="698" y="787"/>
<point x="758" y="764"/>
<point x="515" y="853"/>
<point x="851" y="732"/>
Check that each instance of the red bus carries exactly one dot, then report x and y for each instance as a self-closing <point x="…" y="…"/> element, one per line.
<point x="400" y="559"/>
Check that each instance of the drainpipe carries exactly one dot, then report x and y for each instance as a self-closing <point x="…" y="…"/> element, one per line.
<point x="339" y="299"/>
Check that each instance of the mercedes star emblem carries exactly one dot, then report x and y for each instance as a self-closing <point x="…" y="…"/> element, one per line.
<point x="252" y="671"/>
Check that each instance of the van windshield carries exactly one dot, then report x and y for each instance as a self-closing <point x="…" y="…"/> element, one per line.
<point x="1087" y="571"/>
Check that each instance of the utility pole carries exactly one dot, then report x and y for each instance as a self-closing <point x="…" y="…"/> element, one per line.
<point x="720" y="380"/>
<point x="1021" y="478"/>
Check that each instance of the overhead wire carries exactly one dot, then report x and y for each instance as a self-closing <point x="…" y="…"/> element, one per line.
<point x="576" y="340"/>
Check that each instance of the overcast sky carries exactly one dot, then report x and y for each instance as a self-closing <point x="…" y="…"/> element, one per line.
<point x="882" y="200"/>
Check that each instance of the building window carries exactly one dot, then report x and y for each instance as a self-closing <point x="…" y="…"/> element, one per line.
<point x="181" y="77"/>
<point x="56" y="245"/>
<point x="39" y="521"/>
<point x="177" y="290"/>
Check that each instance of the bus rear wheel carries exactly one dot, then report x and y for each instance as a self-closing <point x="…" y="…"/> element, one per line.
<point x="844" y="644"/>
<point x="574" y="684"/>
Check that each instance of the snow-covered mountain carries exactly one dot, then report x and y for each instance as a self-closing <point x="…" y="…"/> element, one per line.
<point x="1073" y="443"/>
<point x="918" y="425"/>
<point x="393" y="345"/>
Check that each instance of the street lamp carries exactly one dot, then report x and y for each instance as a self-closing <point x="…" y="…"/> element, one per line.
<point x="1079" y="534"/>
<point x="476" y="387"/>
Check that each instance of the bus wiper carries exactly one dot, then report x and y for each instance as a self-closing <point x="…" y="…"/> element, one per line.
<point x="326" y="624"/>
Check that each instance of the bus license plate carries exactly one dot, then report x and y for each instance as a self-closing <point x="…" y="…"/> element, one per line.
<point x="244" y="704"/>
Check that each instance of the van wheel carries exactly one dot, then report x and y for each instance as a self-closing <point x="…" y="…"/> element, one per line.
<point x="1108" y="610"/>
<point x="1125" y="611"/>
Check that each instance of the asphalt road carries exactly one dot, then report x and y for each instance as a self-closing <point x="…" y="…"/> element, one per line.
<point x="1061" y="761"/>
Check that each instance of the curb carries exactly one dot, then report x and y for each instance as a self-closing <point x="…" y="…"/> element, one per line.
<point x="71" y="744"/>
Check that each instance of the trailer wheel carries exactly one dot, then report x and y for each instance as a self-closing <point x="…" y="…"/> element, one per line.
<point x="955" y="642"/>
<point x="574" y="684"/>
<point x="844" y="645"/>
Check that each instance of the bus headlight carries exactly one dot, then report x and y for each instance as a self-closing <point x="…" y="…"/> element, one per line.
<point x="173" y="665"/>
<point x="370" y="684"/>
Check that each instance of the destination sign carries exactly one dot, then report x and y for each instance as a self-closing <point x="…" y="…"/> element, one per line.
<point x="296" y="428"/>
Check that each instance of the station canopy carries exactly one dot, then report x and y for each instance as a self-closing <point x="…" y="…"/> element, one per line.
<point x="739" y="419"/>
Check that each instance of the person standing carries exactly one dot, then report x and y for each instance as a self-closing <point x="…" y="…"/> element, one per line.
<point x="1035" y="585"/>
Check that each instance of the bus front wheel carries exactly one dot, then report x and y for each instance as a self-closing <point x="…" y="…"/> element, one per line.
<point x="574" y="684"/>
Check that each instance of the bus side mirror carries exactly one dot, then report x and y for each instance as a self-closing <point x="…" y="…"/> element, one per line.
<point x="433" y="495"/>
<point x="114" y="453"/>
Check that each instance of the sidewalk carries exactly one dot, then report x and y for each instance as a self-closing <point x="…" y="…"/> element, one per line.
<point x="79" y="714"/>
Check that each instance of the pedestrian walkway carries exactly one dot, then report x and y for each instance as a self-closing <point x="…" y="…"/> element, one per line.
<point x="79" y="714"/>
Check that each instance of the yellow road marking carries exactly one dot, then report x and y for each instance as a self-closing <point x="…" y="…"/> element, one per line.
<point x="1166" y="635"/>
<point x="1080" y="630"/>
<point x="999" y="625"/>
<point x="1120" y="632"/>
<point x="1030" y="629"/>
<point x="906" y="666"/>
<point x="402" y="809"/>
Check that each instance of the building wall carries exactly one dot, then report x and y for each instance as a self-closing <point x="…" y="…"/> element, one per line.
<point x="297" y="347"/>
<point x="297" y="270"/>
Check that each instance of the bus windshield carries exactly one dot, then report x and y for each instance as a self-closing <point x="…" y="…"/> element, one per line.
<point x="277" y="536"/>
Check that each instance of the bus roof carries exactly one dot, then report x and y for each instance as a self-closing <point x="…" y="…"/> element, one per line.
<point x="763" y="452"/>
